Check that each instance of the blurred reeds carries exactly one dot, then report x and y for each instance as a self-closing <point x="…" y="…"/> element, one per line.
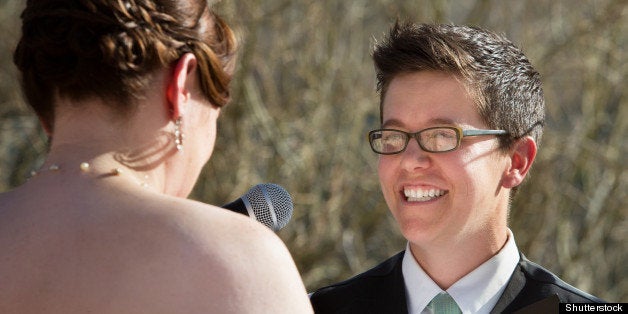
<point x="304" y="98"/>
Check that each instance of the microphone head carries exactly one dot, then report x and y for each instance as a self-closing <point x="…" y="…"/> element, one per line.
<point x="270" y="204"/>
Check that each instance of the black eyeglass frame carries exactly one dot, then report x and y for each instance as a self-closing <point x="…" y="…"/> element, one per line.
<point x="460" y="134"/>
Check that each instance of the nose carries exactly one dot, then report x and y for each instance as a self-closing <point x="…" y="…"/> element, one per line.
<point x="414" y="157"/>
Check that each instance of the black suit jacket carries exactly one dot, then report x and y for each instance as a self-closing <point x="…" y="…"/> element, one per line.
<point x="382" y="290"/>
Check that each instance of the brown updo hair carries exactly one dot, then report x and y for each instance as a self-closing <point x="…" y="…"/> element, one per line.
<point x="110" y="48"/>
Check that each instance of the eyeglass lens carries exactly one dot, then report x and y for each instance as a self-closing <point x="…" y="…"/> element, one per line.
<point x="431" y="140"/>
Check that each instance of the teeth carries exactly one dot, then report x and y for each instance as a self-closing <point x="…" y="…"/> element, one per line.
<point x="421" y="195"/>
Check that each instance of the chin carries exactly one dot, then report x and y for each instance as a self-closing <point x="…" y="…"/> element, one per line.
<point x="420" y="233"/>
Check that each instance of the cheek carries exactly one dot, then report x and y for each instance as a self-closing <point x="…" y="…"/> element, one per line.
<point x="384" y="169"/>
<point x="386" y="172"/>
<point x="481" y="174"/>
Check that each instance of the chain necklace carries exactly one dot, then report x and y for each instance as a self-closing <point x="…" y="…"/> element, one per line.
<point x="84" y="167"/>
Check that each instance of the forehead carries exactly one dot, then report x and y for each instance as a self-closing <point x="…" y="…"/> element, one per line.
<point x="428" y="97"/>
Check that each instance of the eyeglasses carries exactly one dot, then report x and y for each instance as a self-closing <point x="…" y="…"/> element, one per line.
<point x="434" y="140"/>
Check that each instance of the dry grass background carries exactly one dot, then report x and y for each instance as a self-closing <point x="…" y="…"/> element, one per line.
<point x="305" y="98"/>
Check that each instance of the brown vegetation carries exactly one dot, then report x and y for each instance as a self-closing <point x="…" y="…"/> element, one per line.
<point x="304" y="98"/>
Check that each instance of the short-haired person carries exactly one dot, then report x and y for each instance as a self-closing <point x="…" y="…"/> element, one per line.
<point x="130" y="92"/>
<point x="462" y="113"/>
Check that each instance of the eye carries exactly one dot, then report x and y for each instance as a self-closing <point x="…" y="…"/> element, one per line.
<point x="393" y="138"/>
<point x="393" y="141"/>
<point x="443" y="134"/>
<point x="439" y="139"/>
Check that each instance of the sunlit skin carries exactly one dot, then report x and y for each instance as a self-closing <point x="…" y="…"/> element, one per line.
<point x="465" y="224"/>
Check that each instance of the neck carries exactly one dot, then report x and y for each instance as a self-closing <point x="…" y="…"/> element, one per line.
<point x="91" y="132"/>
<point x="99" y="137"/>
<point x="142" y="144"/>
<point x="448" y="262"/>
<point x="70" y="163"/>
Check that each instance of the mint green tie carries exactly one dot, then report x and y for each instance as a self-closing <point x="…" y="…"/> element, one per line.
<point x="443" y="303"/>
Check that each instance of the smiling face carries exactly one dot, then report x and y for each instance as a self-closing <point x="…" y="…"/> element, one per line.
<point x="441" y="198"/>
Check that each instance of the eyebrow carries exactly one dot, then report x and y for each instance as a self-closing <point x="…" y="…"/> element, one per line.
<point x="435" y="121"/>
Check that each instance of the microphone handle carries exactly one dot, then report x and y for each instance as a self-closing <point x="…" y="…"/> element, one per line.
<point x="237" y="206"/>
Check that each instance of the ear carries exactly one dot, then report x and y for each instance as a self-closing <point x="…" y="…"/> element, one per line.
<point x="180" y="84"/>
<point x="521" y="157"/>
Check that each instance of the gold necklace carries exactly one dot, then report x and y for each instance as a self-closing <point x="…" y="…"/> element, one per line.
<point x="84" y="167"/>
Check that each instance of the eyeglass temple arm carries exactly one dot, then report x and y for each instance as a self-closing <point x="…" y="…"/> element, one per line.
<point x="483" y="132"/>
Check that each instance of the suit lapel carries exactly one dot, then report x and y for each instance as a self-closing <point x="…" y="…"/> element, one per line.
<point x="389" y="294"/>
<point x="519" y="294"/>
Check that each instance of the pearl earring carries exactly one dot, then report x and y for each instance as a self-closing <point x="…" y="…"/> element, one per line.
<point x="178" y="135"/>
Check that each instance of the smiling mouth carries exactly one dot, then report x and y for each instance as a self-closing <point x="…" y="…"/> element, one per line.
<point x="422" y="195"/>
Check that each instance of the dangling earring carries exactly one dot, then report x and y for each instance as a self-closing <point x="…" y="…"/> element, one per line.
<point x="178" y="135"/>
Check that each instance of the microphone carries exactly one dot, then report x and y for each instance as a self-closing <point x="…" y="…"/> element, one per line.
<point x="267" y="203"/>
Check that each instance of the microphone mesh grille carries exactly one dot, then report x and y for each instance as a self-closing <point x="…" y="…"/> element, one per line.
<point x="279" y="203"/>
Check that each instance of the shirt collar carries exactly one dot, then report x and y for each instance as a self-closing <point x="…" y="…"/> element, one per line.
<point x="420" y="288"/>
<point x="492" y="276"/>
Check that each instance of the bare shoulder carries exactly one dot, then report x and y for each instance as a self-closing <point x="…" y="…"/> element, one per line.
<point x="229" y="262"/>
<point x="141" y="253"/>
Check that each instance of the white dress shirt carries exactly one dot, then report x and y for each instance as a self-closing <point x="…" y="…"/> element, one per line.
<point x="492" y="276"/>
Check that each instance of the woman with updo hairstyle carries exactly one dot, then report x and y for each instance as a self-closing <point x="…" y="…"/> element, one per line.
<point x="129" y="93"/>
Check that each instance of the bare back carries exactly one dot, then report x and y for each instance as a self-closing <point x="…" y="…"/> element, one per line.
<point x="101" y="249"/>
